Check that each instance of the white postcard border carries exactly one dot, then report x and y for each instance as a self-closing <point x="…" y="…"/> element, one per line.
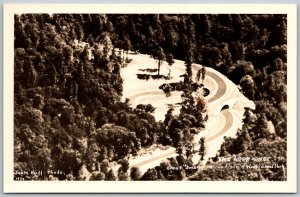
<point x="11" y="186"/>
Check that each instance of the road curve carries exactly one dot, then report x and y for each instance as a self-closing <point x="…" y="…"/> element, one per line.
<point x="133" y="97"/>
<point x="221" y="87"/>
<point x="165" y="155"/>
<point x="220" y="82"/>
<point x="228" y="123"/>
<point x="218" y="94"/>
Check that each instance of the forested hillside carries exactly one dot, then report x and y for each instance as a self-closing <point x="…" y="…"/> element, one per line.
<point x="251" y="50"/>
<point x="67" y="89"/>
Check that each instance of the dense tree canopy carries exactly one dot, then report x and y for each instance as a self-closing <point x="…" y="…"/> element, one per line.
<point x="67" y="88"/>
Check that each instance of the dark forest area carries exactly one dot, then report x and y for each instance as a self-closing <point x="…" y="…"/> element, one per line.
<point x="68" y="113"/>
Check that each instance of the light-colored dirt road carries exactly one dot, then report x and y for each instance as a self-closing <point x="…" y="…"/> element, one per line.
<point x="228" y="124"/>
<point x="218" y="94"/>
<point x="221" y="90"/>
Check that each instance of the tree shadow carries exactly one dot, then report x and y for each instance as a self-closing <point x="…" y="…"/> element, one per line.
<point x="151" y="76"/>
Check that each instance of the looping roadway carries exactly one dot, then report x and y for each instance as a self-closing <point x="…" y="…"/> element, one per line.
<point x="215" y="101"/>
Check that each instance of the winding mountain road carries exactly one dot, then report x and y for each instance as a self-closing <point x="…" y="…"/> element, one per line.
<point x="229" y="120"/>
<point x="216" y="100"/>
<point x="226" y="113"/>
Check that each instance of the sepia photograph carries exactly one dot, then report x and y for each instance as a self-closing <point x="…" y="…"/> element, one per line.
<point x="141" y="97"/>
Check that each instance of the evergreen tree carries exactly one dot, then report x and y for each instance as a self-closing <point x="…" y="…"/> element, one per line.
<point x="110" y="176"/>
<point x="159" y="55"/>
<point x="135" y="174"/>
<point x="188" y="64"/>
<point x="202" y="149"/>
<point x="170" y="62"/>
